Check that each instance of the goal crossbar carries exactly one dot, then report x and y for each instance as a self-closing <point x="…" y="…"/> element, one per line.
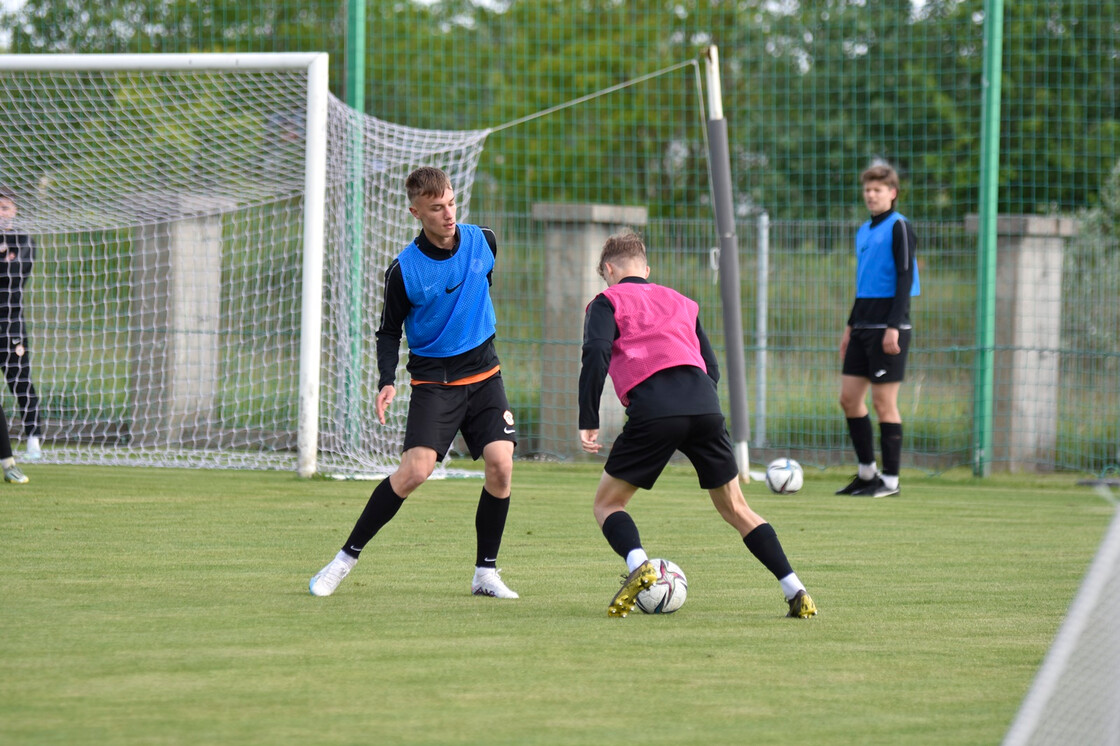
<point x="153" y="62"/>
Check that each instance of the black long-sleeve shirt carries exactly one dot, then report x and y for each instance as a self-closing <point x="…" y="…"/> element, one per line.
<point x="397" y="307"/>
<point x="872" y="313"/>
<point x="17" y="255"/>
<point x="673" y="392"/>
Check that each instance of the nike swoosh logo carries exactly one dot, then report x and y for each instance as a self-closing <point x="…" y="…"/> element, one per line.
<point x="510" y="430"/>
<point x="456" y="287"/>
<point x="880" y="373"/>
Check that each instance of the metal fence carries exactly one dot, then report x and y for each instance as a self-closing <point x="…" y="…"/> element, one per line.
<point x="813" y="92"/>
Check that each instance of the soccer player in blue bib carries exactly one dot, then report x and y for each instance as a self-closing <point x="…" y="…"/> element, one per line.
<point x="876" y="339"/>
<point x="437" y="291"/>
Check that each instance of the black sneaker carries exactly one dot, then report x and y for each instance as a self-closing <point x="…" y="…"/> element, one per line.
<point x="857" y="484"/>
<point x="877" y="489"/>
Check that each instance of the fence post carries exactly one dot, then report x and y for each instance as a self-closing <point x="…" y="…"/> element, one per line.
<point x="1027" y="359"/>
<point x="574" y="236"/>
<point x="175" y="351"/>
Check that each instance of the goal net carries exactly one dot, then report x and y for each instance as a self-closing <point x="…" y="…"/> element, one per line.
<point x="210" y="236"/>
<point x="1075" y="697"/>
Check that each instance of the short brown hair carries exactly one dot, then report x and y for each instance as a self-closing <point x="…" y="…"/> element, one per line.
<point x="621" y="247"/>
<point x="6" y="192"/>
<point x="882" y="173"/>
<point x="426" y="181"/>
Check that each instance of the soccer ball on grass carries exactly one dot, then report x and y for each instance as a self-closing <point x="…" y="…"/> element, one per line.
<point x="668" y="592"/>
<point x="784" y="476"/>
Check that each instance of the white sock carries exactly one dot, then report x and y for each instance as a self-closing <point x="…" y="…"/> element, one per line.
<point x="890" y="481"/>
<point x="33" y="442"/>
<point x="791" y="584"/>
<point x="350" y="561"/>
<point x="635" y="559"/>
<point x="867" y="472"/>
<point x="8" y="463"/>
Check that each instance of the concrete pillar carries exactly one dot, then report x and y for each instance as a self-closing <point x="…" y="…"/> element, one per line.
<point x="176" y="303"/>
<point x="574" y="236"/>
<point x="1028" y="339"/>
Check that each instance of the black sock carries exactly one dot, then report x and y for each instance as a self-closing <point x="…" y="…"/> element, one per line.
<point x="863" y="439"/>
<point x="622" y="533"/>
<point x="763" y="543"/>
<point x="5" y="439"/>
<point x="489" y="525"/>
<point x="382" y="506"/>
<point x="890" y="440"/>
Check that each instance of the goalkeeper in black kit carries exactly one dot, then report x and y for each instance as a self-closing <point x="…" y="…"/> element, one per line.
<point x="649" y="338"/>
<point x="17" y="253"/>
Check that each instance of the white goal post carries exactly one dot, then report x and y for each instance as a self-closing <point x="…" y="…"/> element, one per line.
<point x="192" y="215"/>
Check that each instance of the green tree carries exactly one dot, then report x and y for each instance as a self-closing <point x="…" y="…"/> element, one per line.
<point x="838" y="83"/>
<point x="814" y="89"/>
<point x="830" y="86"/>
<point x="1091" y="316"/>
<point x="642" y="144"/>
<point x="118" y="26"/>
<point x="1061" y="104"/>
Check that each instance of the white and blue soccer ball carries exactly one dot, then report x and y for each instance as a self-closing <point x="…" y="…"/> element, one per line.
<point x="668" y="592"/>
<point x="784" y="476"/>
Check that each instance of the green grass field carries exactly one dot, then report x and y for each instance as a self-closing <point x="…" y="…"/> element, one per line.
<point x="146" y="606"/>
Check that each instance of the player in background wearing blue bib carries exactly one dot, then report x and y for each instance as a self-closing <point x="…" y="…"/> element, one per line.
<point x="876" y="339"/>
<point x="437" y="293"/>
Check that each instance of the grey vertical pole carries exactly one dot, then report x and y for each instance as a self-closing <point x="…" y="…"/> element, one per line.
<point x="761" y="323"/>
<point x="720" y="158"/>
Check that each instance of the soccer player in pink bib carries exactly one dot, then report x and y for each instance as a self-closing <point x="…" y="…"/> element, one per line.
<point x="649" y="339"/>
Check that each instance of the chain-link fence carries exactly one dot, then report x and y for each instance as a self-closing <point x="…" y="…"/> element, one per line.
<point x="813" y="93"/>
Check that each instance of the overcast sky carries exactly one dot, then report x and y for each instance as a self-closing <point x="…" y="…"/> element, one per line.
<point x="4" y="33"/>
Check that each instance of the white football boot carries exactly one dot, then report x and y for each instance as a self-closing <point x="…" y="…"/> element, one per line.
<point x="487" y="582"/>
<point x="324" y="582"/>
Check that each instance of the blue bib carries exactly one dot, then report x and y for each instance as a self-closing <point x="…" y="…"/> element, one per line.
<point x="451" y="308"/>
<point x="876" y="275"/>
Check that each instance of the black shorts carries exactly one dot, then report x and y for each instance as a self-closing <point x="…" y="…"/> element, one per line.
<point x="642" y="450"/>
<point x="480" y="410"/>
<point x="865" y="357"/>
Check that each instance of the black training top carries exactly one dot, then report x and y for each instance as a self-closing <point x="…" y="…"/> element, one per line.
<point x="17" y="254"/>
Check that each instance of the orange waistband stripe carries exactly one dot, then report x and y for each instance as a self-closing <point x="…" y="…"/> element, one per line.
<point x="464" y="381"/>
